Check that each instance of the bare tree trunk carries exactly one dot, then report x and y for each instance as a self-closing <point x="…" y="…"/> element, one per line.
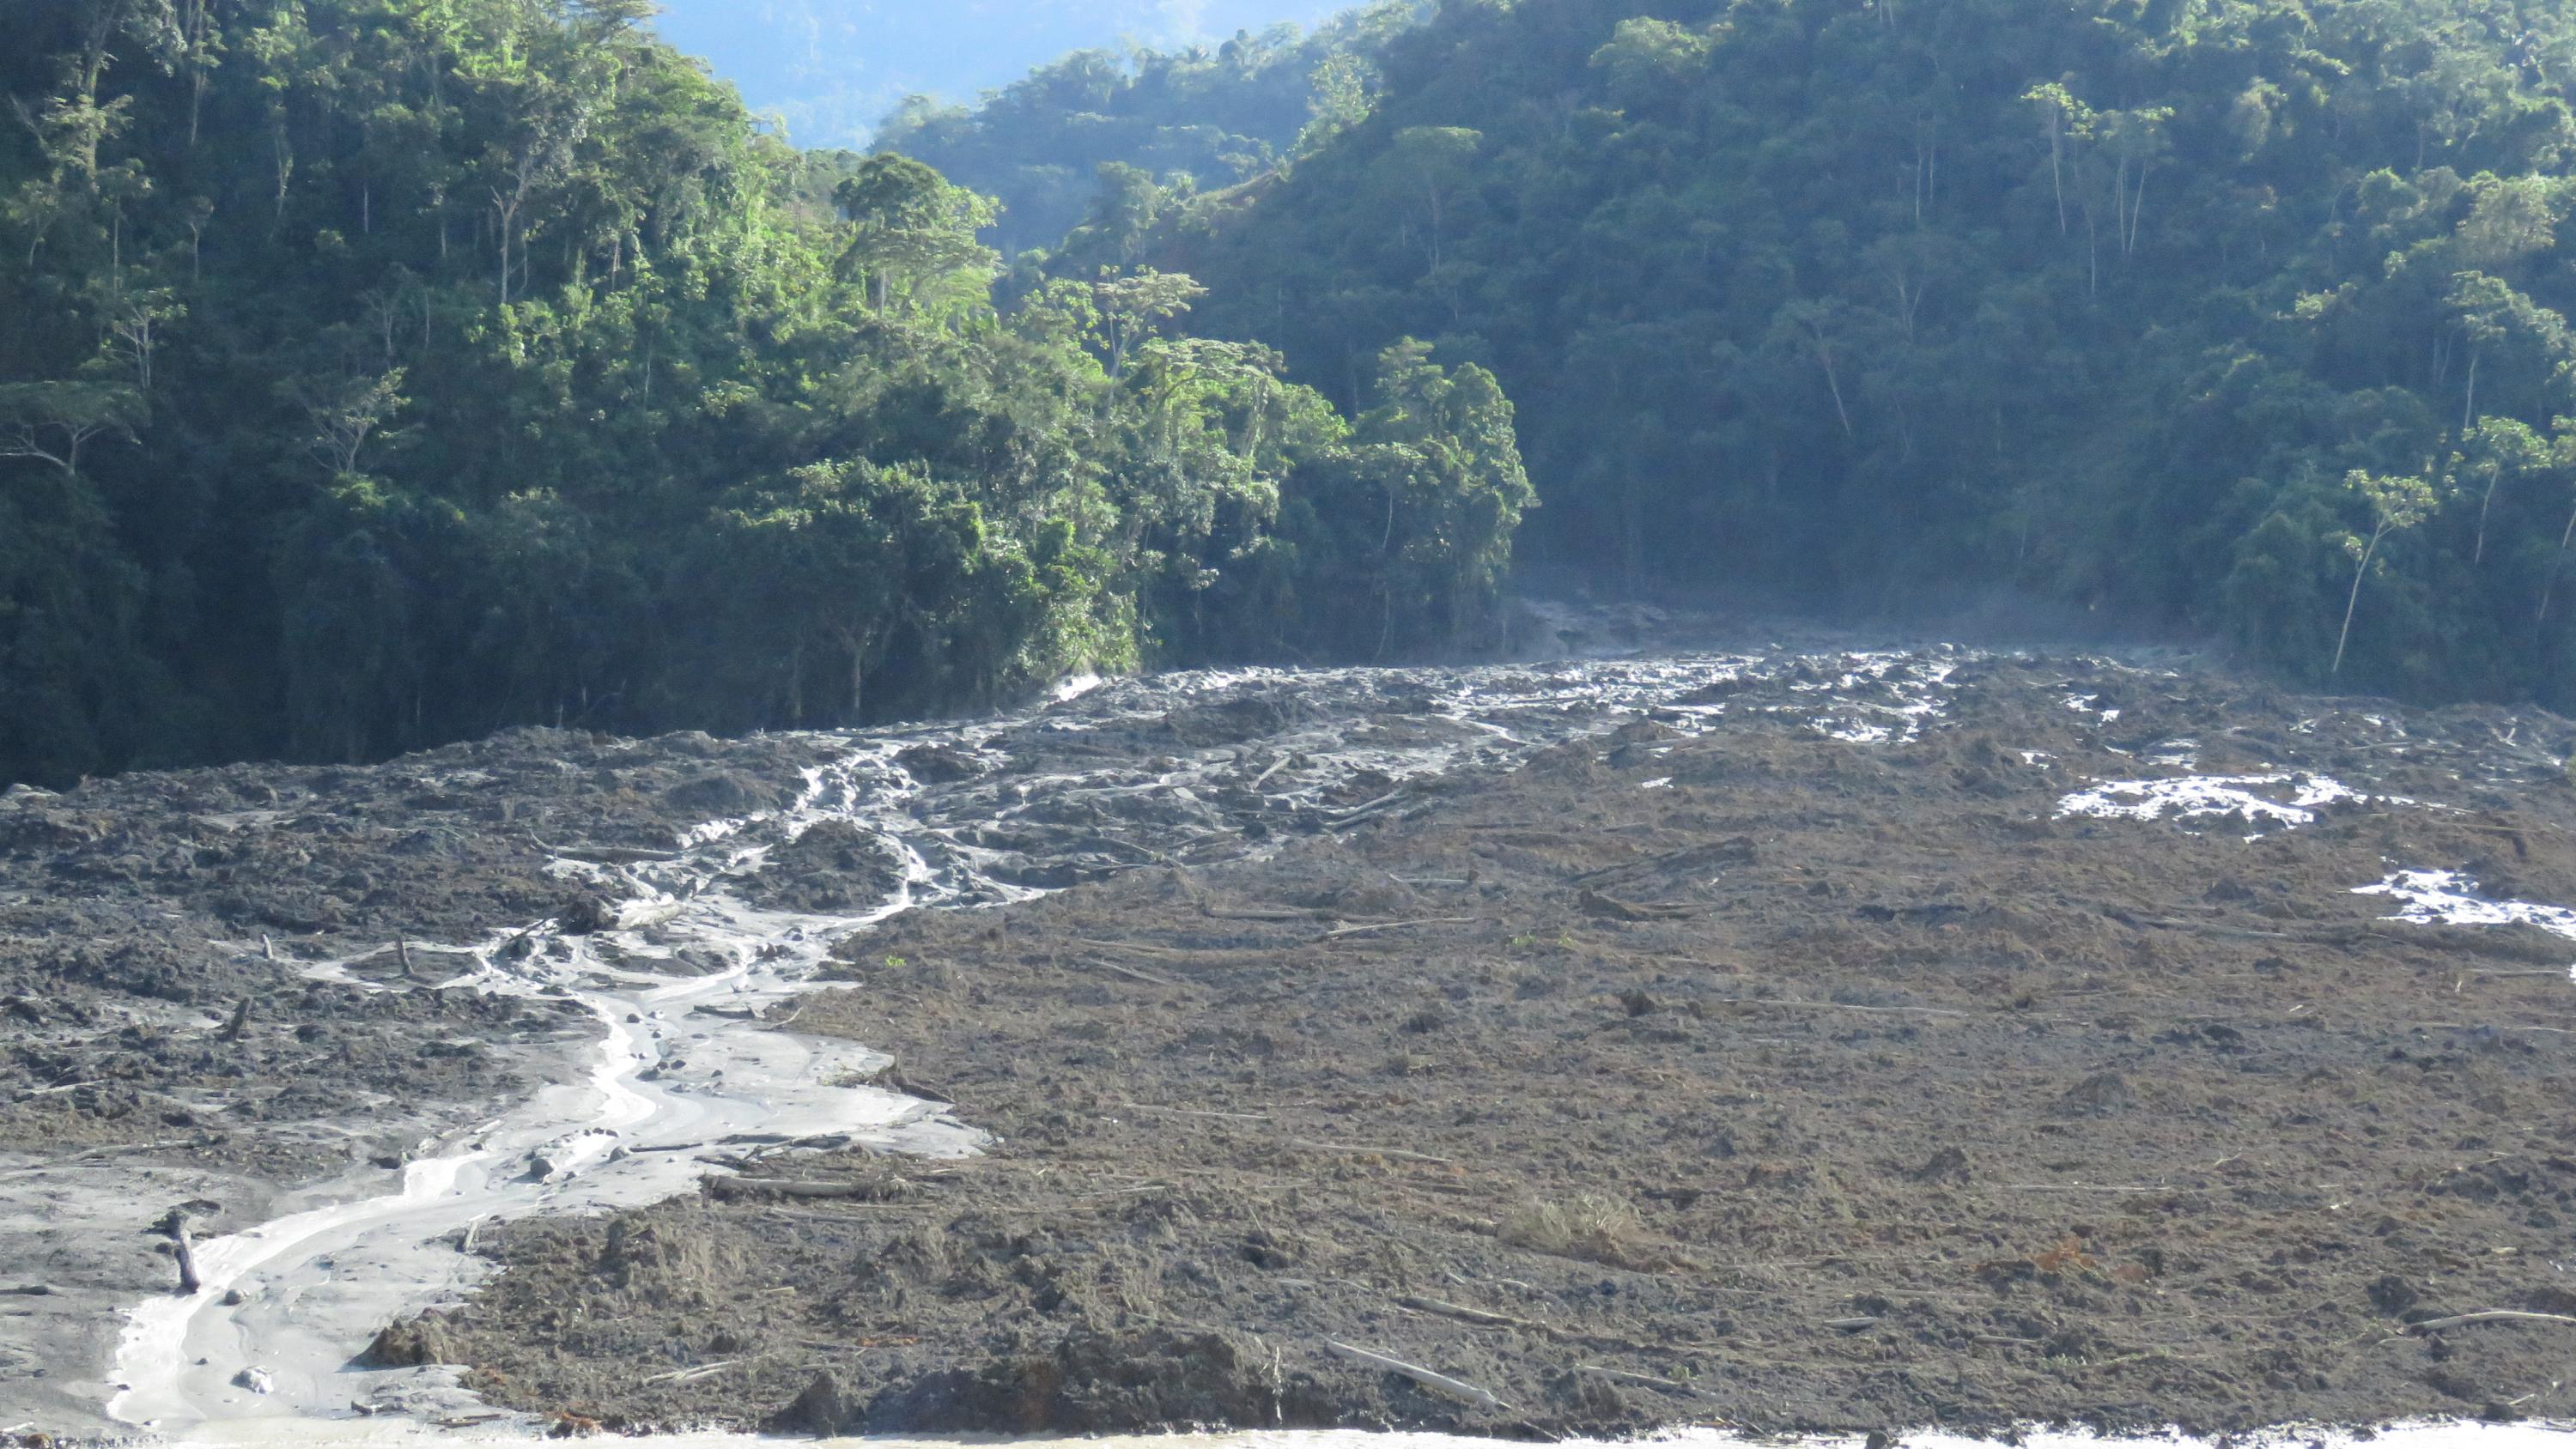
<point x="2092" y="256"/>
<point x="1833" y="384"/>
<point x="2056" y="163"/>
<point x="2354" y="603"/>
<point x="2550" y="590"/>
<point x="2120" y="206"/>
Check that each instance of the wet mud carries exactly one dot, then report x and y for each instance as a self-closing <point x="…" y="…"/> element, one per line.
<point x="1850" y="1043"/>
<point x="220" y="988"/>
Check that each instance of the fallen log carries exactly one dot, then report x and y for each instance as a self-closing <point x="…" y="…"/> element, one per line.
<point x="1623" y="1376"/>
<point x="1428" y="1378"/>
<point x="728" y="1187"/>
<point x="1464" y="1314"/>
<point x="1366" y="928"/>
<point x="607" y="854"/>
<point x="691" y="1375"/>
<point x="1395" y="1154"/>
<point x="1132" y="974"/>
<point x="2491" y="1315"/>
<point x="1610" y="908"/>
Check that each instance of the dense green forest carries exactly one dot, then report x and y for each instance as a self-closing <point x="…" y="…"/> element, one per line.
<point x="1165" y="124"/>
<point x="375" y="372"/>
<point x="832" y="69"/>
<point x="380" y="372"/>
<point x="2238" y="317"/>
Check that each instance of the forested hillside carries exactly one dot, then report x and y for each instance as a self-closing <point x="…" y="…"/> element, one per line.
<point x="2239" y="316"/>
<point x="832" y="69"/>
<point x="1197" y="119"/>
<point x="380" y="372"/>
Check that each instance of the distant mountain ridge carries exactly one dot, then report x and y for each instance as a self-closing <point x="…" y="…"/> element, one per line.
<point x="832" y="69"/>
<point x="1099" y="141"/>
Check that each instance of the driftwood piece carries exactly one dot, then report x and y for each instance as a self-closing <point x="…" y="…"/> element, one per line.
<point x="1428" y="1378"/>
<point x="1366" y="928"/>
<point x="691" y="1375"/>
<point x="1197" y="1112"/>
<point x="1357" y="813"/>
<point x="1623" y="1376"/>
<point x="1739" y="851"/>
<point x="1132" y="974"/>
<point x="607" y="854"/>
<point x="2492" y="1315"/>
<point x="1593" y="903"/>
<point x="1396" y="1154"/>
<point x="1134" y="948"/>
<point x="1789" y="1004"/>
<point x="1255" y="913"/>
<point x="1464" y="1314"/>
<point x="729" y="1187"/>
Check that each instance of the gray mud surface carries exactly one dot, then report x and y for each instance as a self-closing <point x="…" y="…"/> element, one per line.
<point x="139" y="915"/>
<point x="1711" y="1069"/>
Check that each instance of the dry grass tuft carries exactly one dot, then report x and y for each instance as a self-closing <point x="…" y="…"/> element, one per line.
<point x="1594" y="1227"/>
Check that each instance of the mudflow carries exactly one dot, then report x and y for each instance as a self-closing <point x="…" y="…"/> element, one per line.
<point x="1791" y="1037"/>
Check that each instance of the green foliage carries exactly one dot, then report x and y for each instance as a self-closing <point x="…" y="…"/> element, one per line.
<point x="1886" y="307"/>
<point x="1193" y="120"/>
<point x="380" y="372"/>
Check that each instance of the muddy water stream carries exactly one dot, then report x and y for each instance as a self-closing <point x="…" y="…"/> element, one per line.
<point x="402" y="1436"/>
<point x="691" y="1072"/>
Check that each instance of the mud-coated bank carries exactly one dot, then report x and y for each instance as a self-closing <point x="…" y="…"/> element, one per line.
<point x="2024" y="1054"/>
